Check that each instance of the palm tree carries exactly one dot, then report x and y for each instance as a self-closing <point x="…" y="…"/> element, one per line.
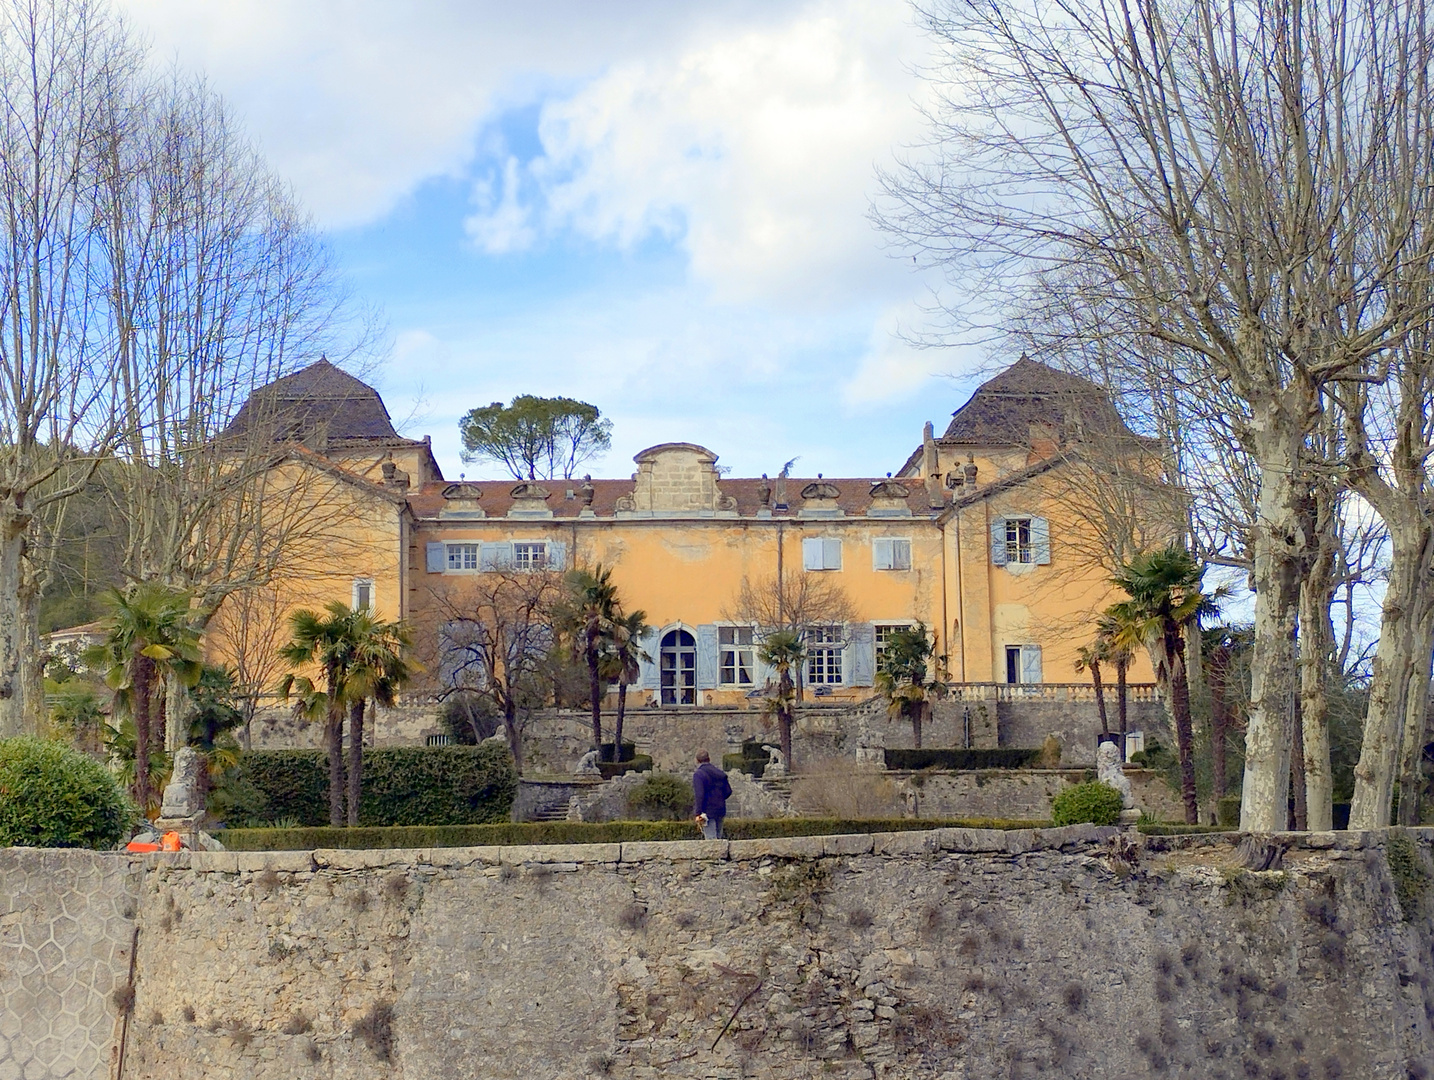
<point x="784" y="651"/>
<point x="1165" y="599"/>
<point x="325" y="641"/>
<point x="591" y="616"/>
<point x="623" y="665"/>
<point x="1089" y="657"/>
<point x="902" y="678"/>
<point x="377" y="670"/>
<point x="149" y="636"/>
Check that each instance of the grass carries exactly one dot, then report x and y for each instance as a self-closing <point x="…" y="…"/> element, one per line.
<point x="580" y="832"/>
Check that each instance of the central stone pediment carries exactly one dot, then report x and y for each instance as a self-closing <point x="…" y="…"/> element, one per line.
<point x="674" y="480"/>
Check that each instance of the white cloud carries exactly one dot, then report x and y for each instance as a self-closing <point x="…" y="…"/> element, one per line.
<point x="758" y="149"/>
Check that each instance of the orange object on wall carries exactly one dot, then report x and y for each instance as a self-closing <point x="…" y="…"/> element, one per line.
<point x="170" y="842"/>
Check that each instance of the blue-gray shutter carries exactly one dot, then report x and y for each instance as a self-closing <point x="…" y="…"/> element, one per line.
<point x="437" y="557"/>
<point x="998" y="541"/>
<point x="831" y="554"/>
<point x="648" y="679"/>
<point x="1031" y="664"/>
<point x="557" y="555"/>
<point x="497" y="556"/>
<point x="881" y="554"/>
<point x="812" y="553"/>
<point x="1041" y="540"/>
<point x="761" y="673"/>
<point x="707" y="657"/>
<point x="861" y="654"/>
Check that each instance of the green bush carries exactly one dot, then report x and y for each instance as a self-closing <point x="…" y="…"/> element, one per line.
<point x="1227" y="811"/>
<point x="1166" y="828"/>
<point x="581" y="832"/>
<point x="663" y="797"/>
<point x="1094" y="802"/>
<point x="629" y="751"/>
<point x="53" y="796"/>
<point x="1004" y="758"/>
<point x="436" y="785"/>
<point x="637" y="763"/>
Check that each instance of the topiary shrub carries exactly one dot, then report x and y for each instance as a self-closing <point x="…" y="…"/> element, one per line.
<point x="1227" y="811"/>
<point x="661" y="797"/>
<point x="1093" y="802"/>
<point x="636" y="763"/>
<point x="1005" y="757"/>
<point x="53" y="796"/>
<point x="402" y="785"/>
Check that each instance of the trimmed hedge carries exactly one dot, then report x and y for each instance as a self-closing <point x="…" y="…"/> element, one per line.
<point x="1004" y="758"/>
<point x="1162" y="828"/>
<point x="582" y="832"/>
<point x="436" y="785"/>
<point x="53" y="796"/>
<point x="636" y="763"/>
<point x="1093" y="802"/>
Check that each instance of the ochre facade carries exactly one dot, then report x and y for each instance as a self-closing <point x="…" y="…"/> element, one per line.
<point x="974" y="537"/>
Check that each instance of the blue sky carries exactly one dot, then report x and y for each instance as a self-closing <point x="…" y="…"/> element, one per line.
<point x="659" y="208"/>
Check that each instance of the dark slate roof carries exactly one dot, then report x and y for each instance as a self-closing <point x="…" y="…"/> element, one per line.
<point x="321" y="395"/>
<point x="1003" y="410"/>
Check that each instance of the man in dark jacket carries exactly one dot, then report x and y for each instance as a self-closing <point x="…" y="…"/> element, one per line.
<point x="710" y="790"/>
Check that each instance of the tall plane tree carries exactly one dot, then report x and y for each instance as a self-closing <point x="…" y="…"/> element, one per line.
<point x="1250" y="184"/>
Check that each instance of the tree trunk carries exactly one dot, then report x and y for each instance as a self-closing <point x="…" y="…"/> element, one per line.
<point x="1100" y="699"/>
<point x="595" y="694"/>
<point x="1122" y="668"/>
<point x="141" y="686"/>
<point x="918" y="714"/>
<point x="1279" y="549"/>
<point x="1316" y="647"/>
<point x="784" y="718"/>
<point x="1401" y="667"/>
<point x="13" y="719"/>
<point x="1219" y="720"/>
<point x="1411" y="750"/>
<point x="355" y="777"/>
<point x="510" y="728"/>
<point x="334" y="740"/>
<point x="1298" y="767"/>
<point x="1180" y="712"/>
<point x="617" y="724"/>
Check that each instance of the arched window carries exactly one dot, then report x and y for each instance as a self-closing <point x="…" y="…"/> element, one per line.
<point x="677" y="657"/>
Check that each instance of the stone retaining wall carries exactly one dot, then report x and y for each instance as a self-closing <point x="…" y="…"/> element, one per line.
<point x="945" y="954"/>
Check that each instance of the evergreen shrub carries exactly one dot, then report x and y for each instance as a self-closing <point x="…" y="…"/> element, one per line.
<point x="1093" y="802"/>
<point x="582" y="832"/>
<point x="636" y="763"/>
<point x="1005" y="757"/>
<point x="418" y="785"/>
<point x="1227" y="811"/>
<point x="629" y="751"/>
<point x="663" y="797"/>
<point x="53" y="796"/>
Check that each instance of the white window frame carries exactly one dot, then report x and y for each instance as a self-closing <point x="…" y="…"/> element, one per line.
<point x="736" y="649"/>
<point x="525" y="561"/>
<point x="1023" y="653"/>
<point x="821" y="553"/>
<point x="884" y="630"/>
<point x="462" y="550"/>
<point x="1019" y="552"/>
<point x="887" y="552"/>
<point x="361" y="584"/>
<point x="824" y="646"/>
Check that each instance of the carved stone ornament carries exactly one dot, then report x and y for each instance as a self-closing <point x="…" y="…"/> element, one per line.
<point x="181" y="795"/>
<point x="1108" y="771"/>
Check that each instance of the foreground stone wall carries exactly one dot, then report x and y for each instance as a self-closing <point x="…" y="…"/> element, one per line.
<point x="945" y="954"/>
<point x="67" y="934"/>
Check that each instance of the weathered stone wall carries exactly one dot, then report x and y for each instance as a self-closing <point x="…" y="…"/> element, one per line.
<point x="67" y="933"/>
<point x="946" y="954"/>
<point x="1076" y="724"/>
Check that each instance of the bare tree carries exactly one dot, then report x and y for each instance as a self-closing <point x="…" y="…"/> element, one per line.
<point x="1250" y="184"/>
<point x="492" y="639"/>
<point x="64" y="66"/>
<point x="248" y="631"/>
<point x="797" y="601"/>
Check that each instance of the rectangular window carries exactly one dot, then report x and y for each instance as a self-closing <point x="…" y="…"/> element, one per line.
<point x="1019" y="548"/>
<point x="463" y="556"/>
<point x="890" y="554"/>
<point x="530" y="555"/>
<point x="883" y="636"/>
<point x="1023" y="664"/>
<point x="821" y="553"/>
<point x="363" y="594"/>
<point x="735" y="644"/>
<point x="824" y="647"/>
